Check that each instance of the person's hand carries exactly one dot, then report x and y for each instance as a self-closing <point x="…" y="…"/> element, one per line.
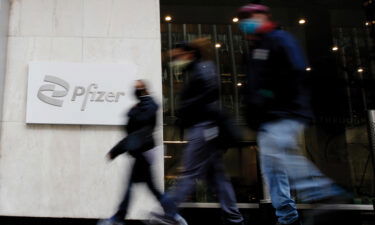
<point x="110" y="156"/>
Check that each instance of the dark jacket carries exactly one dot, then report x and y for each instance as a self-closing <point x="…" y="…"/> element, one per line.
<point x="277" y="84"/>
<point x="140" y="128"/>
<point x="200" y="95"/>
<point x="200" y="102"/>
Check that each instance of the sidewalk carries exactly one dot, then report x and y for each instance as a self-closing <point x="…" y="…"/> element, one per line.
<point x="195" y="216"/>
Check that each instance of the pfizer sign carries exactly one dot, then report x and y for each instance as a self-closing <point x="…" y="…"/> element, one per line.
<point x="79" y="93"/>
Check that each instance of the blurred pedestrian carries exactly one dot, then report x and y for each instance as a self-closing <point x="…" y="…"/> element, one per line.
<point x="140" y="127"/>
<point x="199" y="112"/>
<point x="278" y="101"/>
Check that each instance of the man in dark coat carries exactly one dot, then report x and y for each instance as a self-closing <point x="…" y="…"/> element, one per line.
<point x="140" y="127"/>
<point x="198" y="112"/>
<point x="278" y="101"/>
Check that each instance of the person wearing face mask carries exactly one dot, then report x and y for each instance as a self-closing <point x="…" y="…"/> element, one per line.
<point x="278" y="100"/>
<point x="140" y="127"/>
<point x="199" y="112"/>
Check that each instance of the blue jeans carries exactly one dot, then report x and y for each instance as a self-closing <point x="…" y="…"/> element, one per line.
<point x="203" y="159"/>
<point x="285" y="168"/>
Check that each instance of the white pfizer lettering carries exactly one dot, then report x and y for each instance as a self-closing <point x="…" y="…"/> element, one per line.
<point x="91" y="94"/>
<point x="101" y="96"/>
<point x="118" y="96"/>
<point x="95" y="86"/>
<point x="78" y="91"/>
<point x="110" y="97"/>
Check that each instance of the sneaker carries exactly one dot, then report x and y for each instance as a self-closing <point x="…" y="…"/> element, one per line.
<point x="161" y="219"/>
<point x="180" y="219"/>
<point x="297" y="222"/>
<point x="111" y="221"/>
<point x="241" y="223"/>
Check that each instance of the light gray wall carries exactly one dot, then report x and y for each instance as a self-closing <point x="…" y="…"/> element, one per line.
<point x="61" y="170"/>
<point x="4" y="22"/>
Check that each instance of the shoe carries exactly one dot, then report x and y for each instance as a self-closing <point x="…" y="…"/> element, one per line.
<point x="180" y="219"/>
<point x="161" y="219"/>
<point x="241" y="223"/>
<point x="297" y="222"/>
<point x="111" y="221"/>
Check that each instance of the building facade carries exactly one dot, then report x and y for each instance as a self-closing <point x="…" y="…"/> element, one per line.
<point x="61" y="171"/>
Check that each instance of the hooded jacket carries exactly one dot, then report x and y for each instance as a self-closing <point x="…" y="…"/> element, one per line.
<point x="141" y="124"/>
<point x="200" y="94"/>
<point x="277" y="86"/>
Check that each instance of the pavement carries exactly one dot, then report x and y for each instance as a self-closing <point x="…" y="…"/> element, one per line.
<point x="203" y="217"/>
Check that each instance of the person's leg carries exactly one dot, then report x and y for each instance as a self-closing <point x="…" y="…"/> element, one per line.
<point x="272" y="155"/>
<point x="309" y="182"/>
<point x="282" y="161"/>
<point x="219" y="182"/>
<point x="123" y="206"/>
<point x="195" y="160"/>
<point x="148" y="178"/>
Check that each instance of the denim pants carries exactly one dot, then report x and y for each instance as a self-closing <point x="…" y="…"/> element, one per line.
<point x="202" y="159"/>
<point x="285" y="168"/>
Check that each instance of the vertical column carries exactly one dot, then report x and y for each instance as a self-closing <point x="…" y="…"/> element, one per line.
<point x="359" y="63"/>
<point x="184" y="32"/>
<point x="346" y="75"/>
<point x="234" y="72"/>
<point x="371" y="133"/>
<point x="330" y="98"/>
<point x="4" y="21"/>
<point x="171" y="86"/>
<point x="217" y="59"/>
<point x="199" y="30"/>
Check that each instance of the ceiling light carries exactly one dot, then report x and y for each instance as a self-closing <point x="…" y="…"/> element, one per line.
<point x="168" y="18"/>
<point x="302" y="21"/>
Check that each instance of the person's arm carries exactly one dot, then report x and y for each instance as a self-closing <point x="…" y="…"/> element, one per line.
<point x="117" y="150"/>
<point x="207" y="90"/>
<point x="296" y="60"/>
<point x="293" y="52"/>
<point x="147" y="111"/>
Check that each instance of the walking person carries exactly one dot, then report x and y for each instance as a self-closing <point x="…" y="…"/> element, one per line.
<point x="199" y="113"/>
<point x="140" y="127"/>
<point x="278" y="101"/>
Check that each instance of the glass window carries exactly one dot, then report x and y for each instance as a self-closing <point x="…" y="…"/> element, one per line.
<point x="337" y="36"/>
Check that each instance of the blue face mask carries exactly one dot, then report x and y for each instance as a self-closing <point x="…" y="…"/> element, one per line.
<point x="249" y="26"/>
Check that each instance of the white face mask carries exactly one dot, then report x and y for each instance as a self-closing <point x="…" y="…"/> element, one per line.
<point x="179" y="64"/>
